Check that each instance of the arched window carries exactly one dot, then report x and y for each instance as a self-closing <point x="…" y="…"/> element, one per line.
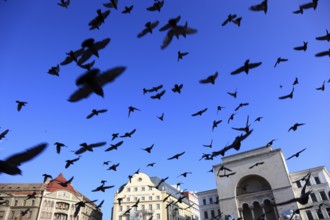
<point x="269" y="210"/>
<point x="247" y="215"/>
<point x="257" y="210"/>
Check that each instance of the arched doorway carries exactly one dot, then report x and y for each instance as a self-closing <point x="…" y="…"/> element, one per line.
<point x="253" y="196"/>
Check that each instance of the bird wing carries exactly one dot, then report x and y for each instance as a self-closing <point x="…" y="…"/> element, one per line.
<point x="104" y="78"/>
<point x="90" y="115"/>
<point x="324" y="53"/>
<point x="81" y="150"/>
<point x="168" y="38"/>
<point x="3" y="134"/>
<point x="237" y="71"/>
<point x="27" y="155"/>
<point x="99" y="144"/>
<point x="254" y="65"/>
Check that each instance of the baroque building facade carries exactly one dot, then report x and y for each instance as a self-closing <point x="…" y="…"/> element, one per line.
<point x="51" y="201"/>
<point x="145" y="198"/>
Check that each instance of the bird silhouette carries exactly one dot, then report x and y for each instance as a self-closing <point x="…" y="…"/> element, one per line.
<point x="223" y="168"/>
<point x="89" y="147"/>
<point x="91" y="48"/>
<point x="149" y="26"/>
<point x="23" y="213"/>
<point x="184" y="174"/>
<point x="132" y="109"/>
<point x="296" y="154"/>
<point x="325" y="37"/>
<point x="158" y="95"/>
<point x="280" y="60"/>
<point x="233" y="94"/>
<point x="127" y="9"/>
<point x="295" y="82"/>
<point x="227" y="175"/>
<point x="177" y="88"/>
<point x="231" y="117"/>
<point x="54" y="70"/>
<point x="181" y="55"/>
<point x="246" y="67"/>
<point x="290" y="95"/>
<point x="64" y="4"/>
<point x="46" y="176"/>
<point x="210" y="79"/>
<point x="151" y="164"/>
<point x="111" y="4"/>
<point x="100" y="205"/>
<point x="321" y="88"/>
<point x="4" y="133"/>
<point x="113" y="167"/>
<point x="215" y="124"/>
<point x="208" y="145"/>
<point x="106" y="162"/>
<point x="303" y="47"/>
<point x="80" y="204"/>
<point x="237" y="21"/>
<point x="114" y="136"/>
<point x="270" y="143"/>
<point x="295" y="126"/>
<point x="72" y="56"/>
<point x="59" y="146"/>
<point x="31" y="196"/>
<point x="102" y="188"/>
<point x="66" y="183"/>
<point x="229" y="18"/>
<point x="172" y="23"/>
<point x="256" y="164"/>
<point x="258" y="119"/>
<point x="219" y="108"/>
<point x="176" y="156"/>
<point x="93" y="81"/>
<point x="20" y="104"/>
<point x="161" y="117"/>
<point x="115" y="146"/>
<point x="263" y="6"/>
<point x="177" y="30"/>
<point x="97" y="21"/>
<point x="323" y="53"/>
<point x="246" y="129"/>
<point x="128" y="134"/>
<point x="148" y="149"/>
<point x="11" y="164"/>
<point x="241" y="105"/>
<point x="96" y="112"/>
<point x="157" y="6"/>
<point x="71" y="162"/>
<point x="200" y="112"/>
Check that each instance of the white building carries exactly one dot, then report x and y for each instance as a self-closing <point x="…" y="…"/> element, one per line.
<point x="259" y="179"/>
<point x="208" y="204"/>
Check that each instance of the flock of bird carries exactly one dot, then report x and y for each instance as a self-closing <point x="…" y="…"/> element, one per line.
<point x="92" y="82"/>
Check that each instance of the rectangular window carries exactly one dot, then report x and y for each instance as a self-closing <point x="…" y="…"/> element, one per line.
<point x="150" y="188"/>
<point x="135" y="189"/>
<point x="211" y="200"/>
<point x="212" y="214"/>
<point x="128" y="189"/>
<point x="128" y="199"/>
<point x="143" y="189"/>
<point x="158" y="216"/>
<point x="142" y="198"/>
<point x="150" y="197"/>
<point x="313" y="197"/>
<point x="158" y="197"/>
<point x="204" y="201"/>
<point x="33" y="202"/>
<point x="16" y="203"/>
<point x="319" y="214"/>
<point x="323" y="196"/>
<point x="142" y="207"/>
<point x="309" y="215"/>
<point x="317" y="180"/>
<point x="158" y="206"/>
<point x="206" y="215"/>
<point x="298" y="184"/>
<point x="308" y="182"/>
<point x="219" y="212"/>
<point x="135" y="199"/>
<point x="150" y="206"/>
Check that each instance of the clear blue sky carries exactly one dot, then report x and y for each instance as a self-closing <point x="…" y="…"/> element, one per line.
<point x="35" y="35"/>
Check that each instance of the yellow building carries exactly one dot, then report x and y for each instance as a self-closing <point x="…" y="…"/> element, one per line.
<point x="149" y="193"/>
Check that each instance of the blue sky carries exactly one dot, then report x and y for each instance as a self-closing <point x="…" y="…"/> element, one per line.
<point x="35" y="35"/>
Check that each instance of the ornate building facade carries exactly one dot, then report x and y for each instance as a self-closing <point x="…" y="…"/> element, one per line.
<point x="145" y="197"/>
<point x="250" y="183"/>
<point x="51" y="201"/>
